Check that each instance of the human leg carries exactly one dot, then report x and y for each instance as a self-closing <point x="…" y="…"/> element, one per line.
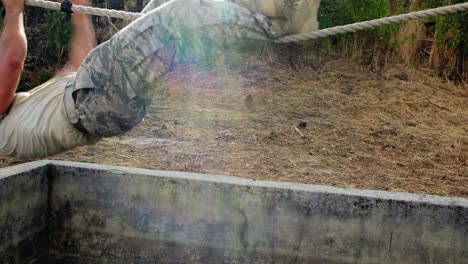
<point x="305" y="18"/>
<point x="113" y="86"/>
<point x="287" y="16"/>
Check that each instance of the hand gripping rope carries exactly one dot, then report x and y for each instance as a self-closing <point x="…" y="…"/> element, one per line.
<point x="66" y="7"/>
<point x="291" y="38"/>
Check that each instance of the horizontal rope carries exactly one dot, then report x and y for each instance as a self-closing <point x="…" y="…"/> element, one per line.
<point x="374" y="23"/>
<point x="291" y="38"/>
<point x="86" y="10"/>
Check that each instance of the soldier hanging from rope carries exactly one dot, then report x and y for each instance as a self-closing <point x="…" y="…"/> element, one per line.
<point x="104" y="91"/>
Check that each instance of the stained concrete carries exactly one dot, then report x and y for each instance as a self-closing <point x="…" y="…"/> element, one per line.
<point x="23" y="213"/>
<point x="104" y="214"/>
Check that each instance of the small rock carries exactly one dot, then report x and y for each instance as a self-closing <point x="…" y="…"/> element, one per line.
<point x="272" y="135"/>
<point x="249" y="102"/>
<point x="388" y="146"/>
<point x="411" y="123"/>
<point x="402" y="76"/>
<point x="316" y="114"/>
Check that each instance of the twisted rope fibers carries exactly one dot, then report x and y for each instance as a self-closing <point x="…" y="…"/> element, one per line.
<point x="291" y="38"/>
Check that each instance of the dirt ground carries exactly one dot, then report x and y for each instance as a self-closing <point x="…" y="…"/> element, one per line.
<point x="401" y="129"/>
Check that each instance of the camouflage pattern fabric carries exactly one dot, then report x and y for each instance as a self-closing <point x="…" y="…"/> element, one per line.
<point x="287" y="16"/>
<point x="114" y="85"/>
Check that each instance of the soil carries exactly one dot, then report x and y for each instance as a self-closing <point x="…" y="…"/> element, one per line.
<point x="399" y="129"/>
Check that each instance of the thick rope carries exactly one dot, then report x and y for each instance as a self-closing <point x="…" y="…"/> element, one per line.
<point x="374" y="23"/>
<point x="291" y="38"/>
<point x="86" y="10"/>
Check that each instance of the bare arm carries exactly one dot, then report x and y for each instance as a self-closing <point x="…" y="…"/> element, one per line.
<point x="13" y="49"/>
<point x="83" y="40"/>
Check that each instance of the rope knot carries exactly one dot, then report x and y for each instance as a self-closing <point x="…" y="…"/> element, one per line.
<point x="66" y="7"/>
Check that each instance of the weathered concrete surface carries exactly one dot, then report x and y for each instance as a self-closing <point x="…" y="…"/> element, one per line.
<point x="138" y="216"/>
<point x="23" y="213"/>
<point x="102" y="214"/>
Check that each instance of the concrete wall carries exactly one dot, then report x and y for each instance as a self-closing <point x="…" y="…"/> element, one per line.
<point x="23" y="213"/>
<point x="102" y="214"/>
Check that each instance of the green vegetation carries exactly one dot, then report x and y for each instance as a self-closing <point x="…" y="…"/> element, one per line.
<point x="48" y="34"/>
<point x="58" y="33"/>
<point x="439" y="42"/>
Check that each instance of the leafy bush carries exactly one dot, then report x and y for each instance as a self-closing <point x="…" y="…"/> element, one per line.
<point x="447" y="35"/>
<point x="58" y="33"/>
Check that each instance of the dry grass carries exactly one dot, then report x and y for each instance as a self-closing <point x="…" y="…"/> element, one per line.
<point x="399" y="130"/>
